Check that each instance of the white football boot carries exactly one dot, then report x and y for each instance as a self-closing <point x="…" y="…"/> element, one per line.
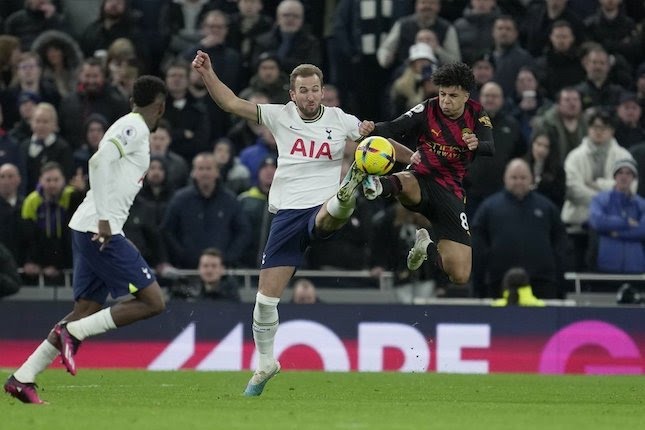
<point x="419" y="252"/>
<point x="372" y="187"/>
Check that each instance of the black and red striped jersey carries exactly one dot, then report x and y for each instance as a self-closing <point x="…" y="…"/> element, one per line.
<point x="444" y="155"/>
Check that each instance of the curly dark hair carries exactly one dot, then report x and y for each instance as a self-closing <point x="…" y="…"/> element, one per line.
<point x="454" y="75"/>
<point x="146" y="89"/>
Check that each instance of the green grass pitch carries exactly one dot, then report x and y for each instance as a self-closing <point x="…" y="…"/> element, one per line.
<point x="186" y="400"/>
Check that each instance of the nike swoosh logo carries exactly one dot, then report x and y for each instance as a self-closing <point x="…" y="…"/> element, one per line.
<point x="294" y="128"/>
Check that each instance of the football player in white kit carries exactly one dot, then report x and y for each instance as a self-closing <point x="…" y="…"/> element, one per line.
<point x="105" y="262"/>
<point x="305" y="195"/>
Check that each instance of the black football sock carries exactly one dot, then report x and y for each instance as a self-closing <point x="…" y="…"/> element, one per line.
<point x="434" y="257"/>
<point x="391" y="186"/>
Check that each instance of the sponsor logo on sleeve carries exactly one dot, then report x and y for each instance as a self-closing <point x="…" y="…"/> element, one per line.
<point x="417" y="109"/>
<point x="486" y="121"/>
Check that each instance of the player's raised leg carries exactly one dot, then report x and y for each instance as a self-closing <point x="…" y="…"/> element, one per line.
<point x="350" y="183"/>
<point x="452" y="257"/>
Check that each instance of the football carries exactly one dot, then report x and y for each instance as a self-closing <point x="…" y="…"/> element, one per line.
<point x="375" y="155"/>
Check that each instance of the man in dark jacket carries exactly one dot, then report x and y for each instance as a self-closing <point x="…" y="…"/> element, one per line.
<point x="36" y="17"/>
<point x="29" y="81"/>
<point x="9" y="280"/>
<point x="475" y="29"/>
<point x="292" y="43"/>
<point x="46" y="213"/>
<point x="93" y="95"/>
<point x="540" y="18"/>
<point x="560" y="66"/>
<point x="507" y="55"/>
<point x="485" y="175"/>
<point x="517" y="227"/>
<point x="116" y="20"/>
<point x="612" y="28"/>
<point x="203" y="215"/>
<point x="597" y="90"/>
<point x="226" y="60"/>
<point x="12" y="231"/>
<point x="187" y="115"/>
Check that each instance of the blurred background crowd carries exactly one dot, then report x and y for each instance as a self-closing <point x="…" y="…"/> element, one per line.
<point x="563" y="82"/>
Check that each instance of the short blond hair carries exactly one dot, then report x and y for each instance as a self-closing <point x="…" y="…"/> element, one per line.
<point x="48" y="107"/>
<point x="305" y="70"/>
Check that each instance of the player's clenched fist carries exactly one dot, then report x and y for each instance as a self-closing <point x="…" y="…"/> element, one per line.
<point x="202" y="62"/>
<point x="366" y="127"/>
<point x="471" y="140"/>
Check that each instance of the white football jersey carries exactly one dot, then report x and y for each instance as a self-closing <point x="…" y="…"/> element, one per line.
<point x="310" y="153"/>
<point x="129" y="134"/>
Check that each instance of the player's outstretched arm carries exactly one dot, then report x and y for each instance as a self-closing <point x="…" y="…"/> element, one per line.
<point x="220" y="93"/>
<point x="402" y="153"/>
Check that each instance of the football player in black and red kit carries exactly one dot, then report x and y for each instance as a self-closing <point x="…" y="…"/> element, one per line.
<point x="450" y="130"/>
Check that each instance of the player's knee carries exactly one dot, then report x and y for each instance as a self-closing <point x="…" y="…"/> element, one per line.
<point x="410" y="191"/>
<point x="459" y="275"/>
<point x="408" y="181"/>
<point x="458" y="271"/>
<point x="157" y="307"/>
<point x="153" y="306"/>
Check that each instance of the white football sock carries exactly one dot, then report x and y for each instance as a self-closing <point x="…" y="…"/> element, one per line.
<point x="265" y="326"/>
<point x="94" y="324"/>
<point x="341" y="210"/>
<point x="38" y="361"/>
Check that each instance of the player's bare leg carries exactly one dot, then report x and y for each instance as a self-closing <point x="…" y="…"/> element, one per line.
<point x="79" y="325"/>
<point x="410" y="193"/>
<point x="456" y="259"/>
<point x="327" y="223"/>
<point x="266" y="320"/>
<point x="147" y="303"/>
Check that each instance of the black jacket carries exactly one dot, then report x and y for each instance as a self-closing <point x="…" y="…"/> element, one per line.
<point x="9" y="280"/>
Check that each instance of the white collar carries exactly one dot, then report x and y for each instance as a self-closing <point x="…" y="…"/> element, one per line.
<point x="48" y="141"/>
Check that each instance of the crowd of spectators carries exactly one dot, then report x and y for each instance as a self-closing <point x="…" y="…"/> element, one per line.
<point x="563" y="83"/>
